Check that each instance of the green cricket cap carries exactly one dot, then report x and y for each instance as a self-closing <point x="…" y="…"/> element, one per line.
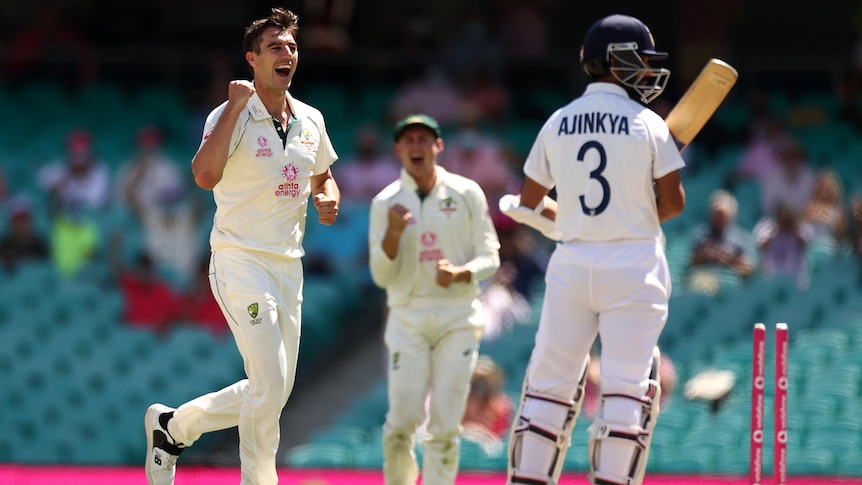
<point x="416" y="120"/>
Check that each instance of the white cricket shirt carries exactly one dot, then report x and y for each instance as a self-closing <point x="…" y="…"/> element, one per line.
<point x="602" y="152"/>
<point x="262" y="198"/>
<point x="452" y="222"/>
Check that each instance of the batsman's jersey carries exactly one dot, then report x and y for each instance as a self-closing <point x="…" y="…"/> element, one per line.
<point x="262" y="198"/>
<point x="602" y="152"/>
<point x="452" y="222"/>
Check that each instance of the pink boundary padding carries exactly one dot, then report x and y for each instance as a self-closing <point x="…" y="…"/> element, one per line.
<point x="195" y="475"/>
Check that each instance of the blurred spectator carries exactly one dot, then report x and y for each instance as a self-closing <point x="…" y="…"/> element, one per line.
<point x="79" y="182"/>
<point x="432" y="94"/>
<point x="761" y="153"/>
<point x="783" y="241"/>
<point x="723" y="253"/>
<point x="76" y="239"/>
<point x="481" y="157"/>
<point x="790" y="183"/>
<point x="489" y="412"/>
<point x="503" y="305"/>
<point x="172" y="235"/>
<point x="369" y="169"/>
<point x="825" y="211"/>
<point x="592" y="389"/>
<point x="199" y="304"/>
<point x="141" y="180"/>
<point x="50" y="48"/>
<point x="149" y="300"/>
<point x="22" y="242"/>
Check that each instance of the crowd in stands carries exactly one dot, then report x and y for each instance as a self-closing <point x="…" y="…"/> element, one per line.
<point x="803" y="217"/>
<point x="136" y="228"/>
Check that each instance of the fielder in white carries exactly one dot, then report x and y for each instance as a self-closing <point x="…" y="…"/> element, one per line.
<point x="263" y="154"/>
<point x="431" y="241"/>
<point x="615" y="167"/>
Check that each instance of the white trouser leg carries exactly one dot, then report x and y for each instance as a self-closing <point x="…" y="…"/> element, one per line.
<point x="450" y="385"/>
<point x="432" y="352"/>
<point x="261" y="300"/>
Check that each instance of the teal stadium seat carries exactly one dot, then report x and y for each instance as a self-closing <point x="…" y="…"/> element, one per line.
<point x="370" y="411"/>
<point x="321" y="455"/>
<point x="369" y="456"/>
<point x="684" y="459"/>
<point x="350" y="435"/>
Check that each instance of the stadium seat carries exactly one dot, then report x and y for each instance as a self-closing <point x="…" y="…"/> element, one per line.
<point x="321" y="455"/>
<point x="369" y="456"/>
<point x="349" y="435"/>
<point x="684" y="459"/>
<point x="811" y="462"/>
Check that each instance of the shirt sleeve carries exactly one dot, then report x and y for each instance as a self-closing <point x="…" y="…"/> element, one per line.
<point x="382" y="268"/>
<point x="667" y="158"/>
<point x="326" y="155"/>
<point x="485" y="239"/>
<point x="537" y="166"/>
<point x="213" y="118"/>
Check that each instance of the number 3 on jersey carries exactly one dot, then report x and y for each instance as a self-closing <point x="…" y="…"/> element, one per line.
<point x="597" y="176"/>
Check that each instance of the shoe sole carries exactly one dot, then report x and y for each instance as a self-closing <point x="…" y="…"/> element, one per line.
<point x="152" y="414"/>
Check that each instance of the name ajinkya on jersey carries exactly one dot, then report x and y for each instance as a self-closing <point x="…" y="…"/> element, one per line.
<point x="596" y="122"/>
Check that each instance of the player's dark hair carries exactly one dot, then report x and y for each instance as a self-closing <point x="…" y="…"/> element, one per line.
<point x="597" y="68"/>
<point x="280" y="18"/>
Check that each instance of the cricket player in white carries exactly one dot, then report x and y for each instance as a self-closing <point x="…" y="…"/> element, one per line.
<point x="615" y="167"/>
<point x="431" y="241"/>
<point x="263" y="154"/>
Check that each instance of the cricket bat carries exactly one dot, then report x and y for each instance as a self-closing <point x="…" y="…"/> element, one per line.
<point x="700" y="101"/>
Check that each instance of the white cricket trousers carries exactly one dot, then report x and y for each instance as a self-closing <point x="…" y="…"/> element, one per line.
<point x="260" y="296"/>
<point x="618" y="291"/>
<point x="433" y="347"/>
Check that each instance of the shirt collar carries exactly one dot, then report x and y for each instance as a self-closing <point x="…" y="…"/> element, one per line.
<point x="258" y="110"/>
<point x="603" y="87"/>
<point x="410" y="184"/>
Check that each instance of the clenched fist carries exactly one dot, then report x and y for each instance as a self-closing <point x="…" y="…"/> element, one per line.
<point x="327" y="209"/>
<point x="239" y="92"/>
<point x="448" y="273"/>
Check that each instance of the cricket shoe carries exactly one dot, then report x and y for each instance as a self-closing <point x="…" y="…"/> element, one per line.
<point x="162" y="450"/>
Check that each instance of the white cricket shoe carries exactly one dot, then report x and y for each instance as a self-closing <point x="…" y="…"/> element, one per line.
<point x="162" y="450"/>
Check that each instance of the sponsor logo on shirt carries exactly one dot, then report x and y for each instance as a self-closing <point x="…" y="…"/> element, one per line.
<point x="290" y="188"/>
<point x="429" y="239"/>
<point x="432" y="255"/>
<point x="263" y="151"/>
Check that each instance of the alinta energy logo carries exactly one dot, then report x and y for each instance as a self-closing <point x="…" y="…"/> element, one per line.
<point x="290" y="188"/>
<point x="264" y="151"/>
<point x="431" y="253"/>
